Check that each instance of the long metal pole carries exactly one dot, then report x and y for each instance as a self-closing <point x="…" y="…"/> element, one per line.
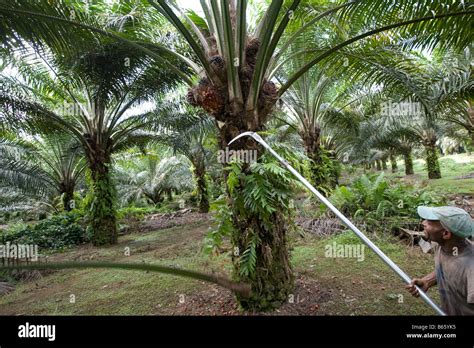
<point x="346" y="221"/>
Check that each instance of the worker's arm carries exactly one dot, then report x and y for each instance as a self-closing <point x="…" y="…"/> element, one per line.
<point x="424" y="283"/>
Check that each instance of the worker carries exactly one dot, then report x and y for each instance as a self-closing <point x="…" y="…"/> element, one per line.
<point x="449" y="228"/>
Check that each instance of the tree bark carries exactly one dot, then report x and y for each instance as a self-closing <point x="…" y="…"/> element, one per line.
<point x="335" y="171"/>
<point x="393" y="163"/>
<point x="312" y="146"/>
<point x="470" y="124"/>
<point x="378" y="166"/>
<point x="321" y="169"/>
<point x="67" y="195"/>
<point x="202" y="192"/>
<point x="102" y="216"/>
<point x="471" y="135"/>
<point x="273" y="279"/>
<point x="432" y="163"/>
<point x="408" y="159"/>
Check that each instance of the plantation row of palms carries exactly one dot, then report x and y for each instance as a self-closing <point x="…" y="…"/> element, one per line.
<point x="130" y="101"/>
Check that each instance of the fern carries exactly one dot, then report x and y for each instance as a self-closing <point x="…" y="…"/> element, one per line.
<point x="223" y="227"/>
<point x="266" y="188"/>
<point x="233" y="177"/>
<point x="248" y="259"/>
<point x="372" y="199"/>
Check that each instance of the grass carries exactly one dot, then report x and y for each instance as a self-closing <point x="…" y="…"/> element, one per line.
<point x="111" y="292"/>
<point x="351" y="287"/>
<point x="453" y="169"/>
<point x="367" y="287"/>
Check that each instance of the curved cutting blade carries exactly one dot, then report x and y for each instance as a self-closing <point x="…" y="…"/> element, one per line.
<point x="250" y="134"/>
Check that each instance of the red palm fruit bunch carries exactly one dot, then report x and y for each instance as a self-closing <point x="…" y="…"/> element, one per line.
<point x="211" y="91"/>
<point x="207" y="96"/>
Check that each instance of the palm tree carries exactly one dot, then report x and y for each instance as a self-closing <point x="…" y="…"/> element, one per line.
<point x="237" y="90"/>
<point x="234" y="59"/>
<point x="394" y="141"/>
<point x="22" y="183"/>
<point x="320" y="100"/>
<point x="152" y="177"/>
<point x="422" y="127"/>
<point x="467" y="120"/>
<point x="190" y="132"/>
<point x="308" y="102"/>
<point x="424" y="102"/>
<point x="51" y="165"/>
<point x="452" y="88"/>
<point x="444" y="91"/>
<point x="95" y="93"/>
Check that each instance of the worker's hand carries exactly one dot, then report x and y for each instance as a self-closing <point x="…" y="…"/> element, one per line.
<point x="422" y="283"/>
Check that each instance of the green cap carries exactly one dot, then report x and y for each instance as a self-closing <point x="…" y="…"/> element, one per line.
<point x="455" y="220"/>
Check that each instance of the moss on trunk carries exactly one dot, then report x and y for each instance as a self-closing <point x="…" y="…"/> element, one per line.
<point x="272" y="280"/>
<point x="335" y="171"/>
<point x="324" y="170"/>
<point x="102" y="212"/>
<point x="319" y="172"/>
<point x="102" y="217"/>
<point x="408" y="159"/>
<point x="202" y="192"/>
<point x="432" y="164"/>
